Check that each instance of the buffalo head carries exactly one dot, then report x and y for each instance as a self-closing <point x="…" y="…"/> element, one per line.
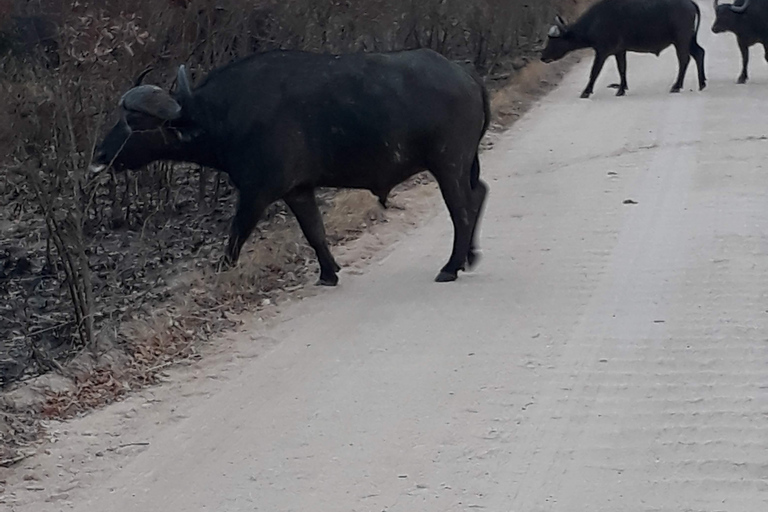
<point x="728" y="16"/>
<point x="152" y="126"/>
<point x="559" y="43"/>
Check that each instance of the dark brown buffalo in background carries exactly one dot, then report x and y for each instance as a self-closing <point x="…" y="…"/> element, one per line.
<point x="615" y="27"/>
<point x="748" y="20"/>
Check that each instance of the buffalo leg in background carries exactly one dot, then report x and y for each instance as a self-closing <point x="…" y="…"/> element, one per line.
<point x="249" y="209"/>
<point x="683" y="58"/>
<point x="597" y="66"/>
<point x="303" y="204"/>
<point x="621" y="63"/>
<point x="744" y="47"/>
<point x="479" y="192"/>
<point x="697" y="52"/>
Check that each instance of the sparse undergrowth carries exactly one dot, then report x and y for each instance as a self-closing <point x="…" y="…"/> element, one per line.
<point x="109" y="282"/>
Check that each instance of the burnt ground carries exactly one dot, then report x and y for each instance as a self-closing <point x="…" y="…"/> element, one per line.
<point x="135" y="268"/>
<point x="130" y="267"/>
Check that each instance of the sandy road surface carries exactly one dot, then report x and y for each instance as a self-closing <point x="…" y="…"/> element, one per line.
<point x="604" y="357"/>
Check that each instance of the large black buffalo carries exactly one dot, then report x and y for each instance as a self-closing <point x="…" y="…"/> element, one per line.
<point x="748" y="19"/>
<point x="284" y="123"/>
<point x="615" y="27"/>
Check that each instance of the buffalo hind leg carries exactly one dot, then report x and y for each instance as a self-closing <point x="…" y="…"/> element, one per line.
<point x="383" y="195"/>
<point x="456" y="196"/>
<point x="683" y="58"/>
<point x="697" y="52"/>
<point x="621" y="63"/>
<point x="479" y="193"/>
<point x="597" y="66"/>
<point x="303" y="204"/>
<point x="744" y="47"/>
<point x="249" y="210"/>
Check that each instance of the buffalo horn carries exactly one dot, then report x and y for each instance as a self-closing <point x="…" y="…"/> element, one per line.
<point x="560" y="23"/>
<point x="740" y="8"/>
<point x="141" y="76"/>
<point x="151" y="100"/>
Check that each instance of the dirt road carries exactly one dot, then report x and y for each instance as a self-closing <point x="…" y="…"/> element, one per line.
<point x="604" y="357"/>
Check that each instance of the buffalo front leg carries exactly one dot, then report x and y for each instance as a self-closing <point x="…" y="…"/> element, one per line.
<point x="744" y="47"/>
<point x="304" y="206"/>
<point x="597" y="66"/>
<point x="249" y="210"/>
<point x="683" y="59"/>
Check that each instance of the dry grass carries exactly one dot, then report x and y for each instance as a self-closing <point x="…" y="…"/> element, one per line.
<point x="511" y="101"/>
<point x="513" y="97"/>
<point x="350" y="213"/>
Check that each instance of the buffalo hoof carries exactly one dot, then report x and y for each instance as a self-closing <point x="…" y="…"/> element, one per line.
<point x="702" y="86"/>
<point x="473" y="259"/>
<point x="742" y="80"/>
<point x="446" y="277"/>
<point x="328" y="281"/>
<point x="585" y="95"/>
<point x="675" y="90"/>
<point x="621" y="92"/>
